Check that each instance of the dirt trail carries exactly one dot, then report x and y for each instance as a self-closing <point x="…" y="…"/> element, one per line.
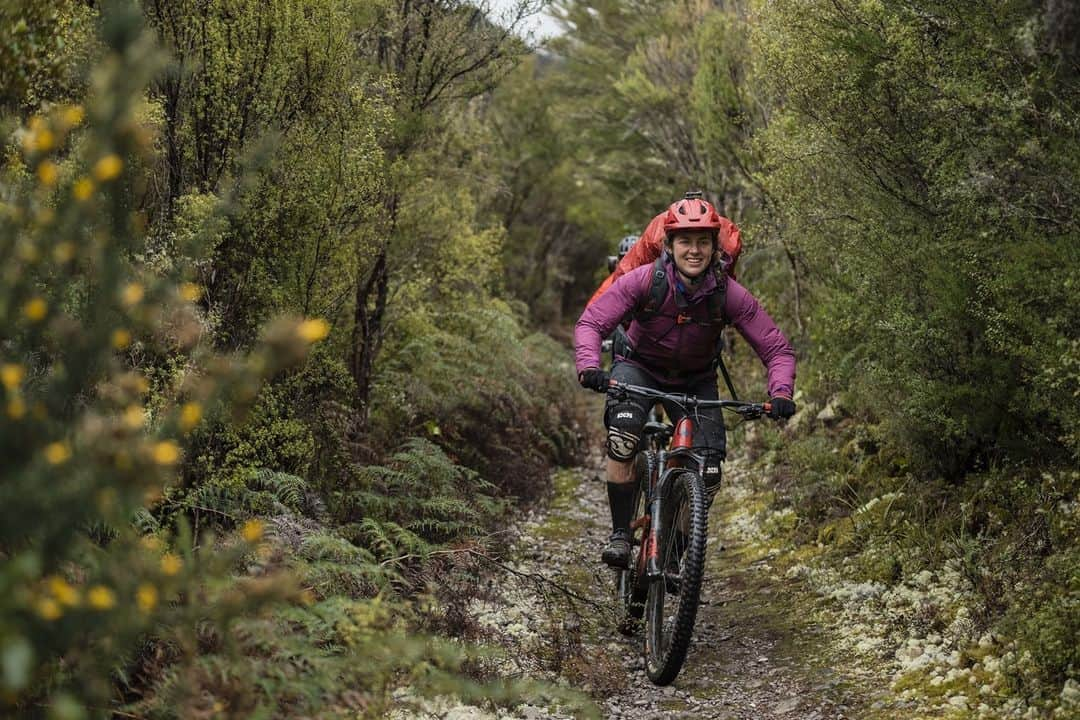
<point x="756" y="653"/>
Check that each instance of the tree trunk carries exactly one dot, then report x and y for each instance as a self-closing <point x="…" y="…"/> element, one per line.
<point x="368" y="326"/>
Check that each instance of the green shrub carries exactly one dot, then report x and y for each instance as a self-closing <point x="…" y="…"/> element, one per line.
<point x="1045" y="622"/>
<point x="83" y="449"/>
<point x="498" y="400"/>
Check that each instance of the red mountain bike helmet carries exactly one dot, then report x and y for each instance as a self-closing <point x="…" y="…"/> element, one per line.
<point x="691" y="213"/>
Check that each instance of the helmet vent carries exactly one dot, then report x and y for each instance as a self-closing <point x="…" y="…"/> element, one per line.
<point x="682" y="209"/>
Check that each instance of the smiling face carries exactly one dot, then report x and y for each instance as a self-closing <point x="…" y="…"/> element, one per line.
<point x="693" y="251"/>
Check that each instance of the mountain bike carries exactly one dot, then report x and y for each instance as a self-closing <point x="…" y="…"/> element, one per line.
<point x="663" y="581"/>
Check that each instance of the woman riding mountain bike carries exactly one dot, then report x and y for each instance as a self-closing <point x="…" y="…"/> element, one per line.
<point x="678" y="307"/>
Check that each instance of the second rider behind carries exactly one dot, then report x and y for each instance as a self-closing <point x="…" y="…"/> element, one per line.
<point x="674" y="331"/>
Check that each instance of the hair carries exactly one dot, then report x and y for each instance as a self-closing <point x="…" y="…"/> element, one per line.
<point x="668" y="238"/>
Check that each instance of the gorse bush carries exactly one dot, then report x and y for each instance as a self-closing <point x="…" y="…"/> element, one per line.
<point x="82" y="450"/>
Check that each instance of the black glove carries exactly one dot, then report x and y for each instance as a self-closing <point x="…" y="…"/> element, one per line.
<point x="781" y="407"/>
<point x="594" y="379"/>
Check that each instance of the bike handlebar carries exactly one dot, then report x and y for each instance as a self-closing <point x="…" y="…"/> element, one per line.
<point x="746" y="409"/>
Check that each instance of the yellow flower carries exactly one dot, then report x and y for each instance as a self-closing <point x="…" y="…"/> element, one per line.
<point x="48" y="609"/>
<point x="28" y="251"/>
<point x="171" y="564"/>
<point x="62" y="590"/>
<point x="16" y="408"/>
<point x="47" y="173"/>
<point x="313" y="330"/>
<point x="82" y="189"/>
<point x="132" y="294"/>
<point x="151" y="542"/>
<point x="190" y="415"/>
<point x="11" y="375"/>
<point x="57" y="453"/>
<point x="35" y="309"/>
<point x="108" y="168"/>
<point x="45" y="140"/>
<point x="252" y="531"/>
<point x="121" y="338"/>
<point x="100" y="597"/>
<point x="190" y="291"/>
<point x="64" y="252"/>
<point x="73" y="115"/>
<point x="307" y="597"/>
<point x="142" y="384"/>
<point x="146" y="597"/>
<point x="36" y="123"/>
<point x="134" y="417"/>
<point x="166" y="452"/>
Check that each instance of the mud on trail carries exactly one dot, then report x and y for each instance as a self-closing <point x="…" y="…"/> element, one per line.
<point x="757" y="651"/>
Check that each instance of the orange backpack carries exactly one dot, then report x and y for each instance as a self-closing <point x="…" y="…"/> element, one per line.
<point x="650" y="246"/>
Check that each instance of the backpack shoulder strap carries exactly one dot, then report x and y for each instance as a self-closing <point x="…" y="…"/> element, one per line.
<point x="718" y="300"/>
<point x="658" y="290"/>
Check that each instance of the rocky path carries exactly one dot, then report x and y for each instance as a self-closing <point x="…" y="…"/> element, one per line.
<point x="750" y="651"/>
<point x="756" y="653"/>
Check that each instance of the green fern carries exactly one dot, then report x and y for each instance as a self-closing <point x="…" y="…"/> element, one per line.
<point x="418" y="498"/>
<point x="288" y="490"/>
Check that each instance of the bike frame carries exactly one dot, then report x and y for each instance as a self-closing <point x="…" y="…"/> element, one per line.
<point x="676" y="457"/>
<point x="679" y="455"/>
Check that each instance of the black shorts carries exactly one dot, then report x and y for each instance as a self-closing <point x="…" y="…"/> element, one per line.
<point x="709" y="433"/>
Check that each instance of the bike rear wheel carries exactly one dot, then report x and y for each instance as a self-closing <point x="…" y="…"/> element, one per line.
<point x="672" y="604"/>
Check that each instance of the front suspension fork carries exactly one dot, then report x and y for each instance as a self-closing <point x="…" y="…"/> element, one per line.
<point x="652" y="566"/>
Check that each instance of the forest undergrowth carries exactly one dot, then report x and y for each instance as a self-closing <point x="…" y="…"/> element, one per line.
<point x="280" y="281"/>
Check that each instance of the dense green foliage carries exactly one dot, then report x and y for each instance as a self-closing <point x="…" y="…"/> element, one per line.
<point x="906" y="177"/>
<point x="927" y="162"/>
<point x="427" y="192"/>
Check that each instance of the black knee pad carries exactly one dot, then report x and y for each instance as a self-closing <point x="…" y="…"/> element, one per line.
<point x="625" y="421"/>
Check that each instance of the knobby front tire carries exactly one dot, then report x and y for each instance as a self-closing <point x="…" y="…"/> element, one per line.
<point x="669" y="617"/>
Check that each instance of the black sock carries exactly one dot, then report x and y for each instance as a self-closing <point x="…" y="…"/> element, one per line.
<point x="621" y="499"/>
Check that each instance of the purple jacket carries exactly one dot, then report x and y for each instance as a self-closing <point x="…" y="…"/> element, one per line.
<point x="671" y="351"/>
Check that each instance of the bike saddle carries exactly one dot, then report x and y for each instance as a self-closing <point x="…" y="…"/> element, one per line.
<point x="659" y="428"/>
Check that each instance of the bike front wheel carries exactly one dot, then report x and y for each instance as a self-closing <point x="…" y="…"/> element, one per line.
<point x="672" y="604"/>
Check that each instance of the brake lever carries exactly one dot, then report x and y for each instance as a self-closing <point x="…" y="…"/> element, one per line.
<point x="617" y="391"/>
<point x="750" y="413"/>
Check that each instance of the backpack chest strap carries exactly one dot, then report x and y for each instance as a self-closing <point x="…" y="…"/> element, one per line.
<point x="658" y="292"/>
